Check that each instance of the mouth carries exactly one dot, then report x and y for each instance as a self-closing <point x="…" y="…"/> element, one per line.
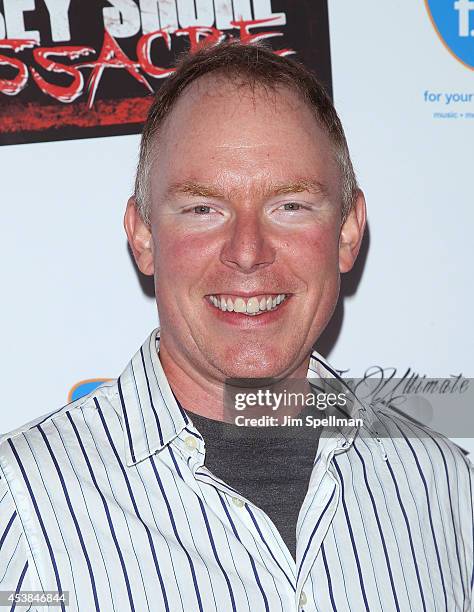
<point x="248" y="306"/>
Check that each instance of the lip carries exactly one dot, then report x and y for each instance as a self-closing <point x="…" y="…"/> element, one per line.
<point x="248" y="294"/>
<point x="237" y="319"/>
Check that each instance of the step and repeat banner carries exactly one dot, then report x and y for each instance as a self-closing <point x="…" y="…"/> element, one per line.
<point x="79" y="69"/>
<point x="76" y="80"/>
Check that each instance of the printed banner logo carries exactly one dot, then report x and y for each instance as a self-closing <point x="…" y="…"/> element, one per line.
<point x="76" y="69"/>
<point x="84" y="387"/>
<point x="453" y="21"/>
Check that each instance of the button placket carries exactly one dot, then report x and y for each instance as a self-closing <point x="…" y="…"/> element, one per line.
<point x="327" y="487"/>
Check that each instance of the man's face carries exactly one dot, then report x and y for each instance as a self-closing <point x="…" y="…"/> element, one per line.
<point x="246" y="207"/>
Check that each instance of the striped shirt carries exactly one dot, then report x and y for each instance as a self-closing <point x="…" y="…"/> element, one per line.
<point x="109" y="498"/>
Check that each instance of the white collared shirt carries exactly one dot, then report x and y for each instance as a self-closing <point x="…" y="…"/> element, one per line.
<point x="109" y="499"/>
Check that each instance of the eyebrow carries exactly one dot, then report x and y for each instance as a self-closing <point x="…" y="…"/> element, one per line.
<point x="193" y="188"/>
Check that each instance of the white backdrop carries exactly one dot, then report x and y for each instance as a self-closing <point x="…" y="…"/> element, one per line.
<point x="72" y="304"/>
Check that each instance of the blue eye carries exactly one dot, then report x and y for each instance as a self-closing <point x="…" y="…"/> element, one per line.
<point x="292" y="206"/>
<point x="202" y="210"/>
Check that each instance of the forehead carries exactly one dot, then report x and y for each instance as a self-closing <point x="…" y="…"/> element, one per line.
<point x="221" y="131"/>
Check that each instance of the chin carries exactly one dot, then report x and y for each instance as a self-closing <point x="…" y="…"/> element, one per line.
<point x="253" y="366"/>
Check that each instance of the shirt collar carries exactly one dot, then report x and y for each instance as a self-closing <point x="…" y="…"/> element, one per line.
<point x="341" y="437"/>
<point x="152" y="417"/>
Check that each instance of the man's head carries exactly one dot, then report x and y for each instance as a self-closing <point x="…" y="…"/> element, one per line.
<point x="252" y="65"/>
<point x="244" y="192"/>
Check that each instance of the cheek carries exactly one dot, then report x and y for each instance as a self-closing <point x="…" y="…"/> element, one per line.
<point x="315" y="251"/>
<point x="181" y="256"/>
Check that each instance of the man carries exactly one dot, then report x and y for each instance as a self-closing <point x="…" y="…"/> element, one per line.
<point x="141" y="496"/>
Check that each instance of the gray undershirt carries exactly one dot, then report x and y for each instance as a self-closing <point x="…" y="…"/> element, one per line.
<point x="270" y="466"/>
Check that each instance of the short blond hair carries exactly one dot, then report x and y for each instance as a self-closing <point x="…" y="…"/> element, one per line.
<point x="255" y="64"/>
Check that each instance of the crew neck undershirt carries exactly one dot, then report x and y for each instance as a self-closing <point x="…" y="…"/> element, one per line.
<point x="270" y="466"/>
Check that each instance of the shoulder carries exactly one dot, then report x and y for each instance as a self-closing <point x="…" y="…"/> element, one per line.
<point x="415" y="448"/>
<point x="31" y="433"/>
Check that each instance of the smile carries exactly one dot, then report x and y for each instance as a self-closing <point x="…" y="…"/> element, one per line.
<point x="252" y="306"/>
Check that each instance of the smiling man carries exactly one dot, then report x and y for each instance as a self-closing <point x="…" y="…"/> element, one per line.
<point x="240" y="220"/>
<point x="147" y="494"/>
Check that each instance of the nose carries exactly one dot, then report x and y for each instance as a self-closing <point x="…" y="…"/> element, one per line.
<point x="248" y="246"/>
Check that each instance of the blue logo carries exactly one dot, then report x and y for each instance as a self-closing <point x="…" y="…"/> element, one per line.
<point x="84" y="387"/>
<point x="453" y="21"/>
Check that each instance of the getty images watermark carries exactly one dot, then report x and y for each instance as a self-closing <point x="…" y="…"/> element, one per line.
<point x="295" y="403"/>
<point x="373" y="403"/>
<point x="284" y="401"/>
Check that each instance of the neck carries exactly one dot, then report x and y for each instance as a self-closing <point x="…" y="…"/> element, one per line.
<point x="194" y="391"/>
<point x="198" y="392"/>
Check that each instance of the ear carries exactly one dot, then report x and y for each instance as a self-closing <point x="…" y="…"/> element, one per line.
<point x="352" y="232"/>
<point x="139" y="238"/>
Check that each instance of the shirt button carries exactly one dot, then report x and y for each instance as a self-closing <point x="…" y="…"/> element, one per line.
<point x="303" y="598"/>
<point x="238" y="502"/>
<point x="191" y="442"/>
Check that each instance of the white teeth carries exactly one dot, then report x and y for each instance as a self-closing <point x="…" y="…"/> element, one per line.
<point x="239" y="305"/>
<point x="252" y="307"/>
